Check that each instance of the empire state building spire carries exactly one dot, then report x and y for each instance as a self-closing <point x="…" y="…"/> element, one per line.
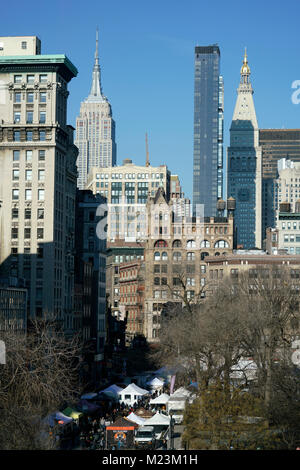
<point x="96" y="95"/>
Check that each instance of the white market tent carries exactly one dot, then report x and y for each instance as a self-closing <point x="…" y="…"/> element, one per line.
<point x="158" y="419"/>
<point x="160" y="400"/>
<point x="136" y="419"/>
<point x="131" y="394"/>
<point x="112" y="389"/>
<point x="160" y="422"/>
<point x="156" y="383"/>
<point x="181" y="392"/>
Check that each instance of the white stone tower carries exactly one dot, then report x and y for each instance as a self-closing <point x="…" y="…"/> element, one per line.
<point x="95" y="129"/>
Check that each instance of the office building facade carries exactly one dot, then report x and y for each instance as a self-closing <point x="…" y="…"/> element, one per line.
<point x="276" y="144"/>
<point x="37" y="177"/>
<point x="208" y="129"/>
<point x="244" y="165"/>
<point x="95" y="129"/>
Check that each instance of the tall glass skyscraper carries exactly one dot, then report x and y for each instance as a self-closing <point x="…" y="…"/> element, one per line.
<point x="244" y="165"/>
<point x="208" y="129"/>
<point x="95" y="129"/>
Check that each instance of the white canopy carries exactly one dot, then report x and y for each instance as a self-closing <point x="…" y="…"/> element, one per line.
<point x="156" y="382"/>
<point x="133" y="389"/>
<point x="160" y="400"/>
<point x="158" y="419"/>
<point x="136" y="419"/>
<point x="112" y="389"/>
<point x="88" y="396"/>
<point x="181" y="392"/>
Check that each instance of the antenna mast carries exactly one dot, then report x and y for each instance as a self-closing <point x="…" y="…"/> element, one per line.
<point x="147" y="151"/>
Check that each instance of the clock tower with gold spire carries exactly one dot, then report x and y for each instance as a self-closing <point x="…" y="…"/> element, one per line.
<point x="244" y="165"/>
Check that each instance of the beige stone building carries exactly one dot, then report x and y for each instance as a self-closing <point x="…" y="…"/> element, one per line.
<point x="126" y="189"/>
<point x="175" y="255"/>
<point x="37" y="175"/>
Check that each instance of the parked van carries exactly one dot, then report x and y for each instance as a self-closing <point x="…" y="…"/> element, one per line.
<point x="145" y="437"/>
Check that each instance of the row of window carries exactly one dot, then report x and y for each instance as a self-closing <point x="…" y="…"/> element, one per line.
<point x="30" y="97"/>
<point x="28" y="175"/>
<point x="28" y="155"/>
<point x="27" y="213"/>
<point x="129" y="176"/>
<point x="29" y="136"/>
<point x="30" y="78"/>
<point x="27" y="233"/>
<point x="29" y="117"/>
<point x="191" y="244"/>
<point x="28" y="194"/>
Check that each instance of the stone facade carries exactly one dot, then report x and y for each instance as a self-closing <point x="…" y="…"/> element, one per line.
<point x="175" y="254"/>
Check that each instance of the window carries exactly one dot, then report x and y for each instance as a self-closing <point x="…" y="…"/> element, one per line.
<point x="29" y="117"/>
<point x="164" y="281"/>
<point x="30" y="79"/>
<point x="160" y="244"/>
<point x="190" y="281"/>
<point x="156" y="268"/>
<point x="17" y="117"/>
<point x="164" y="268"/>
<point x="190" y="256"/>
<point x="27" y="233"/>
<point x="40" y="233"/>
<point x="29" y="136"/>
<point x="28" y="194"/>
<point x="177" y="244"/>
<point x="42" y="155"/>
<point x="164" y="256"/>
<point x="14" y="232"/>
<point x="17" y="78"/>
<point x="191" y="244"/>
<point x="28" y="156"/>
<point x="234" y="272"/>
<point x="17" y="97"/>
<point x="176" y="281"/>
<point x="203" y="269"/>
<point x="17" y="136"/>
<point x="41" y="194"/>
<point x="156" y="256"/>
<point x="176" y="256"/>
<point x="24" y="45"/>
<point x="43" y="78"/>
<point x="42" y="135"/>
<point x="156" y="281"/>
<point x="205" y="244"/>
<point x="221" y="244"/>
<point x="28" y="175"/>
<point x="15" y="194"/>
<point x="14" y="213"/>
<point x="41" y="175"/>
<point x="30" y="97"/>
<point x="27" y="213"/>
<point x="43" y="97"/>
<point x="16" y="155"/>
<point x="16" y="175"/>
<point x="42" y="117"/>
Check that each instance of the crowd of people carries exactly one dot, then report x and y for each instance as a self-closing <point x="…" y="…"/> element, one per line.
<point x="89" y="431"/>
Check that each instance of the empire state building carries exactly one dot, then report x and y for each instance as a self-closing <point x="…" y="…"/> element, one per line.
<point x="95" y="129"/>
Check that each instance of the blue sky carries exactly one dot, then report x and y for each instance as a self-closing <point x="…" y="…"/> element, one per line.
<point x="147" y="63"/>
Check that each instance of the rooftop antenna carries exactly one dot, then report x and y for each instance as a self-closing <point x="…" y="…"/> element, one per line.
<point x="147" y="151"/>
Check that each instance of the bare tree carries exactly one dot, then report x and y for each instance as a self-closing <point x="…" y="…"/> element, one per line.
<point x="39" y="376"/>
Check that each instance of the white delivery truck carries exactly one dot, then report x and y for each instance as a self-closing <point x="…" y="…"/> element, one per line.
<point x="145" y="438"/>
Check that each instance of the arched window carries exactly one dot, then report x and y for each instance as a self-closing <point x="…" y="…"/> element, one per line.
<point x="205" y="244"/>
<point x="221" y="244"/>
<point x="156" y="256"/>
<point x="204" y="254"/>
<point x="160" y="244"/>
<point x="191" y="244"/>
<point x="217" y="254"/>
<point x="177" y="244"/>
<point x="176" y="256"/>
<point x="164" y="256"/>
<point x="190" y="256"/>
